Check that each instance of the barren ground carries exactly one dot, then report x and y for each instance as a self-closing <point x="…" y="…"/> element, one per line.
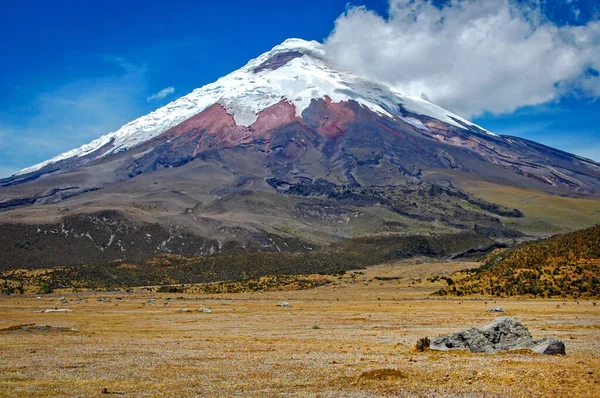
<point x="354" y="338"/>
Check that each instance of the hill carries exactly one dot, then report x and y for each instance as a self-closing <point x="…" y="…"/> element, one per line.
<point x="561" y="266"/>
<point x="177" y="269"/>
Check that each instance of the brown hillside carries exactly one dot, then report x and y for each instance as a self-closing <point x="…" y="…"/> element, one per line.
<point x="561" y="266"/>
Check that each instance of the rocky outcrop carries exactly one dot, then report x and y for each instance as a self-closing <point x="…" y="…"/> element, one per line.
<point x="503" y="333"/>
<point x="548" y="346"/>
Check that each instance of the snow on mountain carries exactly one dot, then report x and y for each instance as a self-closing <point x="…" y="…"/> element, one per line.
<point x="307" y="75"/>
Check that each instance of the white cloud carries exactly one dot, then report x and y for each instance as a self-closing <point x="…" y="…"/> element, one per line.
<point x="161" y="94"/>
<point x="470" y="56"/>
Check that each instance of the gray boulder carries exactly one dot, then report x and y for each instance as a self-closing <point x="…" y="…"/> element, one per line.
<point x="471" y="339"/>
<point x="496" y="309"/>
<point x="549" y="346"/>
<point x="504" y="333"/>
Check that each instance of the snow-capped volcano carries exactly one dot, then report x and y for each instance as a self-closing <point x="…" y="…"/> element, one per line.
<point x="296" y="71"/>
<point x="292" y="104"/>
<point x="287" y="151"/>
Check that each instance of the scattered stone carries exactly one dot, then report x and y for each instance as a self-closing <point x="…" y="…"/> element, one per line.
<point x="496" y="309"/>
<point x="283" y="304"/>
<point x="32" y="327"/>
<point x="63" y="310"/>
<point x="503" y="333"/>
<point x="151" y="301"/>
<point x="104" y="300"/>
<point x="205" y="310"/>
<point x="185" y="310"/>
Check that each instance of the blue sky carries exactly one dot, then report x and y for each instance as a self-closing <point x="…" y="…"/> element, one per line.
<point x="74" y="70"/>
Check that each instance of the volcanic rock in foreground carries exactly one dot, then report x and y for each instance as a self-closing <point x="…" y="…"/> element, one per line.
<point x="503" y="333"/>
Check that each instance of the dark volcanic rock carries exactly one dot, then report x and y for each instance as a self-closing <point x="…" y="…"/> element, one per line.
<point x="503" y="333"/>
<point x="549" y="346"/>
<point x="471" y="339"/>
<point x="478" y="250"/>
<point x="277" y="61"/>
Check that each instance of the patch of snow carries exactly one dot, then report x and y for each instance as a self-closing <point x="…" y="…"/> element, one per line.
<point x="415" y="123"/>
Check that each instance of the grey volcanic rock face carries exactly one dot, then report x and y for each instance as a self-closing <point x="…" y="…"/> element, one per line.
<point x="503" y="333"/>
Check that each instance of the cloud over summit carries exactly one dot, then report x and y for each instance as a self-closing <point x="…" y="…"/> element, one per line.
<point x="470" y="56"/>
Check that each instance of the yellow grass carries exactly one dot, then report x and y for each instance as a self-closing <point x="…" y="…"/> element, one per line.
<point x="545" y="213"/>
<point x="566" y="214"/>
<point x="363" y="345"/>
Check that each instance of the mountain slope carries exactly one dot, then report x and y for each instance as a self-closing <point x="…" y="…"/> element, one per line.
<point x="561" y="266"/>
<point x="286" y="149"/>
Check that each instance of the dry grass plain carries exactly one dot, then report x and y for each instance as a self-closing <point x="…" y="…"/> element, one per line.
<point x="352" y="338"/>
<point x="544" y="213"/>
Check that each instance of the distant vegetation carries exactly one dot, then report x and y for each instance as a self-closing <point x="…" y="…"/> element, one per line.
<point x="176" y="269"/>
<point x="562" y="266"/>
<point x="262" y="284"/>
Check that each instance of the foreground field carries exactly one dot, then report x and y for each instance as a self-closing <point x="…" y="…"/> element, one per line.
<point x="353" y="337"/>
